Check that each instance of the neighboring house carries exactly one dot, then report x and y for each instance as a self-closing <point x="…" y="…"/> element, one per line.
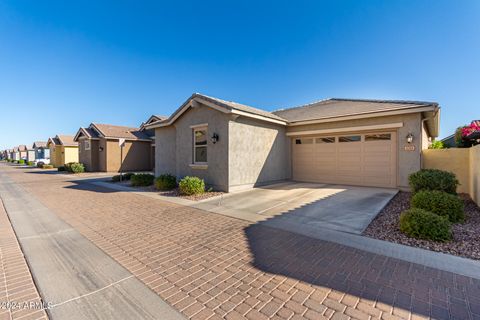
<point x="42" y="152"/>
<point x="336" y="141"/>
<point x="449" y="142"/>
<point x="151" y="134"/>
<point x="15" y="154"/>
<point x="30" y="153"/>
<point x="22" y="149"/>
<point x="99" y="148"/>
<point x="63" y="149"/>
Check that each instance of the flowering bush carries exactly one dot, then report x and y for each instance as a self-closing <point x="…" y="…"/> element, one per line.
<point x="468" y="130"/>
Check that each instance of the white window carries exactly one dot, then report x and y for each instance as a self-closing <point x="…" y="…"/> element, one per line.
<point x="200" y="145"/>
<point x="87" y="145"/>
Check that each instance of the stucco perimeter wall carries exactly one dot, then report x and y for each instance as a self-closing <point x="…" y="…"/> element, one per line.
<point x="165" y="151"/>
<point x="475" y="173"/>
<point x="408" y="161"/>
<point x="135" y="156"/>
<point x="258" y="153"/>
<point x="456" y="160"/>
<point x="216" y="174"/>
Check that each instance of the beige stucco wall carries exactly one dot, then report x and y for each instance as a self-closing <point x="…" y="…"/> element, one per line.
<point x="70" y="154"/>
<point x="456" y="160"/>
<point x="135" y="156"/>
<point x="89" y="158"/>
<point x="216" y="175"/>
<point x="165" y="151"/>
<point x="31" y="155"/>
<point x="475" y="173"/>
<point x="408" y="161"/>
<point x="258" y="153"/>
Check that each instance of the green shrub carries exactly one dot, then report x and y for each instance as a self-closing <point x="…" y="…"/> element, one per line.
<point x="441" y="203"/>
<point x="30" y="163"/>
<point x="142" y="179"/>
<point x="21" y="161"/>
<point x="74" y="167"/>
<point x="165" y="182"/>
<point x="437" y="144"/>
<point x="433" y="179"/>
<point x="191" y="185"/>
<point x="125" y="176"/>
<point x="47" y="166"/>
<point x="421" y="224"/>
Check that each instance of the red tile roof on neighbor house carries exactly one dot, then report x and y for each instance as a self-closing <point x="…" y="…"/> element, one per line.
<point x="22" y="147"/>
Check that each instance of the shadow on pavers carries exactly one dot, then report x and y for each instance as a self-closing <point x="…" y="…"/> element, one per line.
<point x="366" y="275"/>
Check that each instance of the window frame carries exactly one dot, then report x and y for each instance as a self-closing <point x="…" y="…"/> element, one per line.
<point x="87" y="145"/>
<point x="194" y="145"/>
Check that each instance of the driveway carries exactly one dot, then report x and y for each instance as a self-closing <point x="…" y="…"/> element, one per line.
<point x="343" y="208"/>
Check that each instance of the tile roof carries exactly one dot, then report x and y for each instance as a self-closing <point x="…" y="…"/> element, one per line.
<point x="40" y="144"/>
<point x="112" y="131"/>
<point x="234" y="105"/>
<point x="332" y="108"/>
<point x="66" y="140"/>
<point x="22" y="147"/>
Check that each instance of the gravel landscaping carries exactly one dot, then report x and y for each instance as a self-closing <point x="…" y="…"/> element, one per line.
<point x="466" y="236"/>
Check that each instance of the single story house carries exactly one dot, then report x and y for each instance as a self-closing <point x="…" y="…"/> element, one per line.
<point x="30" y="153"/>
<point x="151" y="134"/>
<point x="99" y="148"/>
<point x="63" y="149"/>
<point x="337" y="141"/>
<point x="22" y="150"/>
<point x="15" y="154"/>
<point x="42" y="152"/>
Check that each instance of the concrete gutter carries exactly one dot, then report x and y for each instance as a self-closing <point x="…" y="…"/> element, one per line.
<point x="78" y="279"/>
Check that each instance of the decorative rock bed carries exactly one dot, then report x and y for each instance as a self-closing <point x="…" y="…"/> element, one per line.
<point x="466" y="236"/>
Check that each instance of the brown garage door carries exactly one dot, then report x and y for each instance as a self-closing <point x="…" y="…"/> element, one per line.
<point x="367" y="159"/>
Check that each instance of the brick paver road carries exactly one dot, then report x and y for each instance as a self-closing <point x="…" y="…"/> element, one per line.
<point x="19" y="298"/>
<point x="210" y="266"/>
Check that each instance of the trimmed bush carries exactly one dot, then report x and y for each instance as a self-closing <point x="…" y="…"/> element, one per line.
<point x="142" y="179"/>
<point x="433" y="179"/>
<point x="125" y="176"/>
<point x="30" y="163"/>
<point x="191" y="185"/>
<point x="421" y="224"/>
<point x="165" y="182"/>
<point x="74" y="167"/>
<point x="21" y="161"/>
<point x="441" y="203"/>
<point x="47" y="166"/>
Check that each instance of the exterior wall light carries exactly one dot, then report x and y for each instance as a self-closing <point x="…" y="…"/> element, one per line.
<point x="214" y="138"/>
<point x="409" y="138"/>
<point x="101" y="149"/>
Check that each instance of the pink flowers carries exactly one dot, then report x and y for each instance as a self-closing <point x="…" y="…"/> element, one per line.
<point x="473" y="127"/>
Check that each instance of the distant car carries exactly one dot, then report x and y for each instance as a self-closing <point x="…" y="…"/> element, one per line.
<point x="41" y="162"/>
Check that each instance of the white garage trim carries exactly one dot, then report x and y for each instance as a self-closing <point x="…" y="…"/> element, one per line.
<point x="349" y="129"/>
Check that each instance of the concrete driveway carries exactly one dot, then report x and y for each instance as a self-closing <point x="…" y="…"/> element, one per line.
<point x="343" y="208"/>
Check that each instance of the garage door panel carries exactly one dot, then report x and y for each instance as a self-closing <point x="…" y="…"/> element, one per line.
<point x="370" y="161"/>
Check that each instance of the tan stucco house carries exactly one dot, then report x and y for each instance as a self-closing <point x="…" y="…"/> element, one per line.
<point x="99" y="148"/>
<point x="23" y="152"/>
<point x="63" y="149"/>
<point x="336" y="141"/>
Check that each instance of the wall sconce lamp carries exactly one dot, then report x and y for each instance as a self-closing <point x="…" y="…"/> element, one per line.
<point x="214" y="138"/>
<point x="409" y="138"/>
<point x="101" y="149"/>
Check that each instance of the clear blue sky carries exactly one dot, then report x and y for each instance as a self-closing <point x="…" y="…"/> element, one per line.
<point x="64" y="64"/>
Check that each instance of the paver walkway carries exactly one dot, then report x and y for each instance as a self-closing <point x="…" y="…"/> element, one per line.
<point x="210" y="266"/>
<point x="19" y="298"/>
